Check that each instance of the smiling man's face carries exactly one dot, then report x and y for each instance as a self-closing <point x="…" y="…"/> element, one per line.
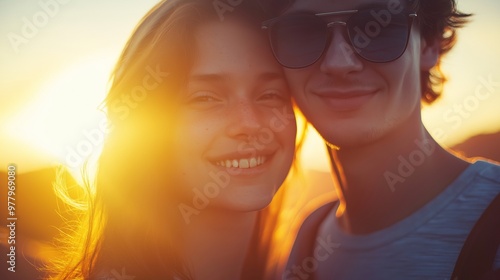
<point x="348" y="99"/>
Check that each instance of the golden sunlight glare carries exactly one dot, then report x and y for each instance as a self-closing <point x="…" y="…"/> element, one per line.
<point x="66" y="109"/>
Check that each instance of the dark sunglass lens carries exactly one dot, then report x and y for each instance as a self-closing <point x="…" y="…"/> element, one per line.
<point x="298" y="40"/>
<point x="378" y="35"/>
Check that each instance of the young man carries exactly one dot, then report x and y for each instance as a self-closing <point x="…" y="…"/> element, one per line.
<point x="359" y="71"/>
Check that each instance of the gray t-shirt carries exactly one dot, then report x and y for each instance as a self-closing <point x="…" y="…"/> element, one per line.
<point x="425" y="245"/>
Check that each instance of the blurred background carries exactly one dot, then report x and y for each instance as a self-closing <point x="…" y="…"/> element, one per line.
<point x="55" y="61"/>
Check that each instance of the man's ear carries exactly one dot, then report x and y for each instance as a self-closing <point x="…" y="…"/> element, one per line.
<point x="429" y="53"/>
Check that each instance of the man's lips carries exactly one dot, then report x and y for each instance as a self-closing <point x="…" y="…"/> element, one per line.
<point x="344" y="94"/>
<point x="346" y="100"/>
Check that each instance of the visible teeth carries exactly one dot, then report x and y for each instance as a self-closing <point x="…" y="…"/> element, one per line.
<point x="242" y="163"/>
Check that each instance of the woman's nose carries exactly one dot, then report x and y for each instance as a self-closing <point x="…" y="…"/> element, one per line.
<point x="245" y="119"/>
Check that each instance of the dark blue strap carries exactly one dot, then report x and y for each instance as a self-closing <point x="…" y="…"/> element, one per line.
<point x="477" y="257"/>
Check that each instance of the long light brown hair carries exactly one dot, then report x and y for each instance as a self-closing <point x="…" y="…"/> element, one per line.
<point x="125" y="218"/>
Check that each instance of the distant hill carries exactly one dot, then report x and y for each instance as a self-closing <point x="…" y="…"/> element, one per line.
<point x="39" y="214"/>
<point x="38" y="210"/>
<point x="484" y="145"/>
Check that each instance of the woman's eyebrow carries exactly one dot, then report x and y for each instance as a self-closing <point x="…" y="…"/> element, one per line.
<point x="206" y="77"/>
<point x="270" y="76"/>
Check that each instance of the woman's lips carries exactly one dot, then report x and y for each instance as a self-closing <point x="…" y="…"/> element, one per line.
<point x="243" y="165"/>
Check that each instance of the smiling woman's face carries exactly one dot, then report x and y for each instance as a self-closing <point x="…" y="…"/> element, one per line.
<point x="235" y="135"/>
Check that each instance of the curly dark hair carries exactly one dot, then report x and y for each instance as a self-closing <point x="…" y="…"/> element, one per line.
<point x="437" y="20"/>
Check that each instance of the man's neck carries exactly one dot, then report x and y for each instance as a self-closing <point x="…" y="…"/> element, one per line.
<point x="390" y="179"/>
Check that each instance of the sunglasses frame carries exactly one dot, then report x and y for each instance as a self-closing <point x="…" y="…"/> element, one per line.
<point x="268" y="24"/>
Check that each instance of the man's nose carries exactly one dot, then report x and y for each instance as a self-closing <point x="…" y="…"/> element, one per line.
<point x="340" y="58"/>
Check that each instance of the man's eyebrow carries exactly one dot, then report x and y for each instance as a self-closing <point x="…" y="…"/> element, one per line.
<point x="300" y="11"/>
<point x="364" y="6"/>
<point x="378" y="4"/>
<point x="372" y="5"/>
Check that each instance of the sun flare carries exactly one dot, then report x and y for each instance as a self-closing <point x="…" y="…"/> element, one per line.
<point x="66" y="111"/>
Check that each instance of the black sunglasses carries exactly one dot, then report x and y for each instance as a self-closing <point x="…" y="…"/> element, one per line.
<point x="299" y="40"/>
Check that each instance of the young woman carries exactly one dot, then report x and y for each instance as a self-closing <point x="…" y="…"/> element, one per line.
<point x="202" y="135"/>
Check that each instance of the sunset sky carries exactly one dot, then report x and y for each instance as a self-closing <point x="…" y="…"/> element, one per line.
<point x="55" y="62"/>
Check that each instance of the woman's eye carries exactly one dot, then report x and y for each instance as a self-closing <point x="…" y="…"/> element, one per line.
<point x="203" y="98"/>
<point x="203" y="101"/>
<point x="273" y="96"/>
